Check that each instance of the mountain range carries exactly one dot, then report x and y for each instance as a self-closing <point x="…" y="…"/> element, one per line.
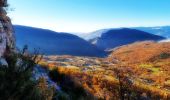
<point x="110" y="38"/>
<point x="159" y="30"/>
<point x="163" y="31"/>
<point x="54" y="43"/>
<point x="93" y="44"/>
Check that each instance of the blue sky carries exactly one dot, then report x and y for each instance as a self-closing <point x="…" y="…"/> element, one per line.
<point x="89" y="15"/>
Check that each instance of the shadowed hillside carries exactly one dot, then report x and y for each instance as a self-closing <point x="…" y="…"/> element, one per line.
<point x="118" y="37"/>
<point x="52" y="43"/>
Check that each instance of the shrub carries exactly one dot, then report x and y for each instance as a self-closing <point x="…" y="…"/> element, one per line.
<point x="69" y="87"/>
<point x="164" y="55"/>
<point x="16" y="77"/>
<point x="45" y="91"/>
<point x="56" y="76"/>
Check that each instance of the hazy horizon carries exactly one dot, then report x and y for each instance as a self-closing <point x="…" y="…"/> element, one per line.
<point x="79" y="33"/>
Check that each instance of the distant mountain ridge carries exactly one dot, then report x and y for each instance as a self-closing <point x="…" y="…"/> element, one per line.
<point x="110" y="38"/>
<point x="54" y="43"/>
<point x="163" y="31"/>
<point x="157" y="30"/>
<point x="92" y="44"/>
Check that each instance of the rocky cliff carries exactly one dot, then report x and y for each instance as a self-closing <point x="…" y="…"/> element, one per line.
<point x="7" y="40"/>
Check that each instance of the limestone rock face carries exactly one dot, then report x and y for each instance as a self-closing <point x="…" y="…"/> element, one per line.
<point x="7" y="39"/>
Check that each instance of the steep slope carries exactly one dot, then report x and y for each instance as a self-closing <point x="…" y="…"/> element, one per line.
<point x="161" y="30"/>
<point x="52" y="43"/>
<point x="111" y="38"/>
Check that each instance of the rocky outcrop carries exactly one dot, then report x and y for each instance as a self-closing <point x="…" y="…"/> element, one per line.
<point x="7" y="39"/>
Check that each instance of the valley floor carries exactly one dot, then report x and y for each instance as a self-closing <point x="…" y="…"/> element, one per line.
<point x="103" y="77"/>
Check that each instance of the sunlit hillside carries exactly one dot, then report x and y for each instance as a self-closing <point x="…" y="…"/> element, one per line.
<point x="142" y="52"/>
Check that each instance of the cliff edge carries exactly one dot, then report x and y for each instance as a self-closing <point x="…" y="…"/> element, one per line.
<point x="7" y="39"/>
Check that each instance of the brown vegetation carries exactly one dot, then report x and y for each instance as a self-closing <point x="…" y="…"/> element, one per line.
<point x="141" y="52"/>
<point x="132" y="72"/>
